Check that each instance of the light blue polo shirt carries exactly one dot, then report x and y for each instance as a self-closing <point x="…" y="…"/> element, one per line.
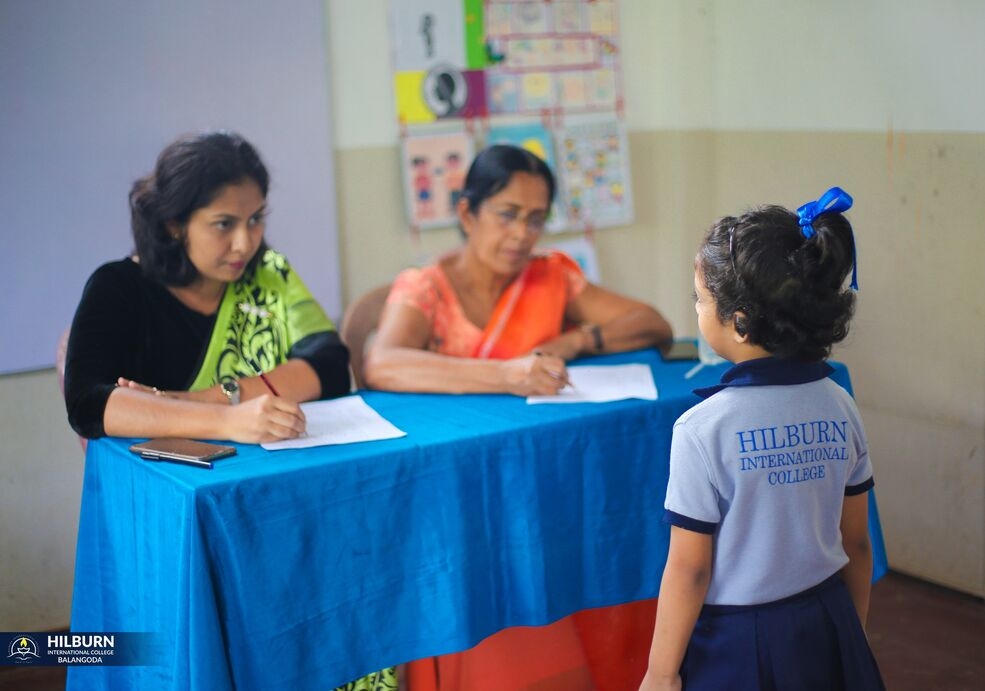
<point x="764" y="464"/>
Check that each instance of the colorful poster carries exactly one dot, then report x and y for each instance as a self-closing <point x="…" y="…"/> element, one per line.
<point x="493" y="64"/>
<point x="593" y="167"/>
<point x="434" y="167"/>
<point x="470" y="59"/>
<point x="437" y="59"/>
<point x="560" y="56"/>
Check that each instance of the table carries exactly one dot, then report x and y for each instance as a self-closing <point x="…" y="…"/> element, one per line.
<point x="308" y="568"/>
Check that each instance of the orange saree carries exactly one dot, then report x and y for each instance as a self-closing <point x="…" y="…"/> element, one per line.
<point x="604" y="649"/>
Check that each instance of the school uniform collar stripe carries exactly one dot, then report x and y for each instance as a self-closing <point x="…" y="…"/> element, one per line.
<point x="769" y="371"/>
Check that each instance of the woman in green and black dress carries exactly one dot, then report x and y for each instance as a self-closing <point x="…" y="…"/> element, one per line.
<point x="169" y="342"/>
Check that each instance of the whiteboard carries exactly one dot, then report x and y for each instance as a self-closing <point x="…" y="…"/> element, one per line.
<point x="90" y="92"/>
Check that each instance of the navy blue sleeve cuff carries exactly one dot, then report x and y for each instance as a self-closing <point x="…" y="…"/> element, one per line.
<point x="852" y="490"/>
<point x="688" y="523"/>
<point x="329" y="357"/>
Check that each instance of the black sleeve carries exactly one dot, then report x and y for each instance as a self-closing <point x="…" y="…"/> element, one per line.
<point x="104" y="339"/>
<point x="329" y="357"/>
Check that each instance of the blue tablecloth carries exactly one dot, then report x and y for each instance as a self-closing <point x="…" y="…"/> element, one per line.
<point x="308" y="568"/>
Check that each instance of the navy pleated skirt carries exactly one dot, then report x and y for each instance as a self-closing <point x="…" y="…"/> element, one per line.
<point x="812" y="641"/>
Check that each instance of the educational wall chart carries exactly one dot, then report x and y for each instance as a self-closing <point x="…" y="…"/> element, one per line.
<point x="551" y="56"/>
<point x="434" y="168"/>
<point x="593" y="170"/>
<point x="542" y="74"/>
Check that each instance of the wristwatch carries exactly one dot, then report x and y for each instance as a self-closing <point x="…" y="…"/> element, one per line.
<point x="595" y="331"/>
<point x="230" y="387"/>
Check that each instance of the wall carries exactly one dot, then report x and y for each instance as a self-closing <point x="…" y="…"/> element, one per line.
<point x="89" y="93"/>
<point x="72" y="83"/>
<point x="40" y="482"/>
<point x="728" y="104"/>
<point x="732" y="104"/>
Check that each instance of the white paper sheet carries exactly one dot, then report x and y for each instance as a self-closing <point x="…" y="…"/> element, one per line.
<point x="339" y="421"/>
<point x="604" y="383"/>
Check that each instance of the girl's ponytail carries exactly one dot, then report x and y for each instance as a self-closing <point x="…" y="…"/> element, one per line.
<point x="823" y="215"/>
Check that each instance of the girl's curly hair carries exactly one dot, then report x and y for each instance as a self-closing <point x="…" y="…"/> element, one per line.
<point x="789" y="289"/>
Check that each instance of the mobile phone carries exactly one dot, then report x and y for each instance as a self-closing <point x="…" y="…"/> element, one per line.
<point x="186" y="451"/>
<point x="681" y="350"/>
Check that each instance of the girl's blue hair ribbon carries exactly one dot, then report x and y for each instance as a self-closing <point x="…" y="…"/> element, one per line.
<point x="835" y="200"/>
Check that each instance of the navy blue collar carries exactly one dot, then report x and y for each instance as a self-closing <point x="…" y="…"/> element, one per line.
<point x="769" y="371"/>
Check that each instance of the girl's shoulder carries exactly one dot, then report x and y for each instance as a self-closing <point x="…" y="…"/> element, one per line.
<point x="711" y="410"/>
<point x="767" y="402"/>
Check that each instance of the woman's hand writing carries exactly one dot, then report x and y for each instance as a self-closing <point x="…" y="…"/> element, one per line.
<point x="537" y="374"/>
<point x="264" y="418"/>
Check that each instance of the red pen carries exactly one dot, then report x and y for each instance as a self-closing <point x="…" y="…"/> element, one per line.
<point x="270" y="386"/>
<point x="263" y="378"/>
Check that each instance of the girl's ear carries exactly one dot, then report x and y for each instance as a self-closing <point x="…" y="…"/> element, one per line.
<point x="174" y="230"/>
<point x="740" y="326"/>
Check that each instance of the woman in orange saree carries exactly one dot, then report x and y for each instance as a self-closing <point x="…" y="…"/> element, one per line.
<point x="496" y="316"/>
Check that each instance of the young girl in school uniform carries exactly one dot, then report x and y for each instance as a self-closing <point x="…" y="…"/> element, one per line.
<point x="767" y="579"/>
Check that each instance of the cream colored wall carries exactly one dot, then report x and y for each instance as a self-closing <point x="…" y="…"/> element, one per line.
<point x="727" y="105"/>
<point x="40" y="490"/>
<point x="917" y="347"/>
<point x="731" y="104"/>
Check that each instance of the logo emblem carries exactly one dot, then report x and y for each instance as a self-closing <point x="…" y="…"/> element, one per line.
<point x="23" y="648"/>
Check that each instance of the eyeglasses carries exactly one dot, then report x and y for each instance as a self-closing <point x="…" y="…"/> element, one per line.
<point x="534" y="222"/>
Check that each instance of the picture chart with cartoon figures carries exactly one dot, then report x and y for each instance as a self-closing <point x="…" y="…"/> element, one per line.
<point x="434" y="173"/>
<point x="541" y="74"/>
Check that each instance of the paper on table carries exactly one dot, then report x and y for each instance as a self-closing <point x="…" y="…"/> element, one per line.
<point x="339" y="421"/>
<point x="604" y="383"/>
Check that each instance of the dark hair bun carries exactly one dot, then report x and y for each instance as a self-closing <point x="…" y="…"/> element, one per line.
<point x="790" y="288"/>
